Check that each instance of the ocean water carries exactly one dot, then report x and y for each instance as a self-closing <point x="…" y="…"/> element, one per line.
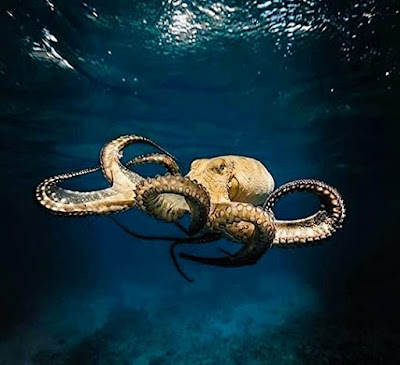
<point x="310" y="88"/>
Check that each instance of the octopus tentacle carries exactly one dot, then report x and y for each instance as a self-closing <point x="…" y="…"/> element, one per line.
<point x="122" y="177"/>
<point x="150" y="193"/>
<point x="169" y="163"/>
<point x="67" y="202"/>
<point x="167" y="200"/>
<point x="118" y="197"/>
<point x="225" y="219"/>
<point x="310" y="230"/>
<point x="162" y="159"/>
<point x="142" y="236"/>
<point x="110" y="158"/>
<point x="206" y="238"/>
<point x="176" y="263"/>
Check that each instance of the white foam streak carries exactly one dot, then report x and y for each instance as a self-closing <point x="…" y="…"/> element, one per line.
<point x="45" y="51"/>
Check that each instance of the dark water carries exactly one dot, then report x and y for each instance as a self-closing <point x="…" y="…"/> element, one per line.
<point x="310" y="88"/>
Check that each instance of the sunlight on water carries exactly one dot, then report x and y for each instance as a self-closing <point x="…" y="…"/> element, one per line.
<point x="181" y="26"/>
<point x="186" y="24"/>
<point x="44" y="50"/>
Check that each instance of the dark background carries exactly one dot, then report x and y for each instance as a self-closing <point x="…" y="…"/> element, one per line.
<point x="309" y="88"/>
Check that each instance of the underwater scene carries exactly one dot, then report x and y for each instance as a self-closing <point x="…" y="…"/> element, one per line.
<point x="279" y="246"/>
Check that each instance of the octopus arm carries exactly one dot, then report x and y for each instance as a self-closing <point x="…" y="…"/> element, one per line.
<point x="119" y="196"/>
<point x="233" y="217"/>
<point x="162" y="159"/>
<point x="68" y="202"/>
<point x="169" y="197"/>
<point x="173" y="205"/>
<point x="113" y="169"/>
<point x="310" y="230"/>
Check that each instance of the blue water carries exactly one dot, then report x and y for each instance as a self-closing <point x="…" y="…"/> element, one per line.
<point x="309" y="88"/>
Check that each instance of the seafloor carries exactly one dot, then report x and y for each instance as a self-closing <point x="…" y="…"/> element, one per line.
<point x="132" y="328"/>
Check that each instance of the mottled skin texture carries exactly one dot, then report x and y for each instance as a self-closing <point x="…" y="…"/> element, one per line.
<point x="227" y="196"/>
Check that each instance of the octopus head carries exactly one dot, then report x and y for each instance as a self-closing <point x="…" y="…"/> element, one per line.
<point x="233" y="179"/>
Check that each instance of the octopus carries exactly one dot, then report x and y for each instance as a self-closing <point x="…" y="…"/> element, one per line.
<point x="229" y="197"/>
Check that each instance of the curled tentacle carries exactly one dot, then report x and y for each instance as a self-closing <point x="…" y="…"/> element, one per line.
<point x="110" y="158"/>
<point x="150" y="198"/>
<point x="118" y="197"/>
<point x="67" y="202"/>
<point x="229" y="219"/>
<point x="168" y="201"/>
<point x="310" y="230"/>
<point x="162" y="159"/>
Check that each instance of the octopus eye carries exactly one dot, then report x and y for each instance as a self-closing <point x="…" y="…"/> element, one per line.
<point x="222" y="167"/>
<point x="233" y="189"/>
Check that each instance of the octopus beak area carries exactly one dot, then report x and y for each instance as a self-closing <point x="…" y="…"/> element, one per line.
<point x="248" y="255"/>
